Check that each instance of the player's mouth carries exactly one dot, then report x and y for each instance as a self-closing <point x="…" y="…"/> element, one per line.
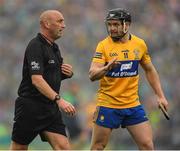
<point x="114" y="33"/>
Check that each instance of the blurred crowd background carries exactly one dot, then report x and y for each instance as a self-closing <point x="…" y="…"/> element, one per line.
<point x="156" y="21"/>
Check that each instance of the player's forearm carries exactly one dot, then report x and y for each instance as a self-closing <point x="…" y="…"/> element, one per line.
<point x="154" y="81"/>
<point x="44" y="87"/>
<point x="98" y="73"/>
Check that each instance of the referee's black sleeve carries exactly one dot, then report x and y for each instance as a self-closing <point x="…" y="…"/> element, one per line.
<point x="34" y="55"/>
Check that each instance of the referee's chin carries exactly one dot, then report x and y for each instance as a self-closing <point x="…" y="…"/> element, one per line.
<point x="59" y="35"/>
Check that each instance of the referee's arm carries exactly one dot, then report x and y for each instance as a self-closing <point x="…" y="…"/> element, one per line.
<point x="44" y="88"/>
<point x="39" y="82"/>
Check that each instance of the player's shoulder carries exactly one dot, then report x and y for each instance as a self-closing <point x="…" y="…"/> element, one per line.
<point x="105" y="40"/>
<point x="137" y="39"/>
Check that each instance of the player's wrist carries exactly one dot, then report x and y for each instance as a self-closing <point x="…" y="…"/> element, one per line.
<point x="105" y="69"/>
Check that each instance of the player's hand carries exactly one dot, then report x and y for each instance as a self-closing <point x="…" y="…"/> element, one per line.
<point x="164" y="102"/>
<point x="112" y="64"/>
<point x="67" y="70"/>
<point x="67" y="107"/>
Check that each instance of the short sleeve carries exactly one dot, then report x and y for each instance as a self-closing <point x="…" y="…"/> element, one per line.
<point x="99" y="55"/>
<point x="146" y="57"/>
<point x="34" y="55"/>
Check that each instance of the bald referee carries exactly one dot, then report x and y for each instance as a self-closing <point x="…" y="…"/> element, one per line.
<point x="37" y="108"/>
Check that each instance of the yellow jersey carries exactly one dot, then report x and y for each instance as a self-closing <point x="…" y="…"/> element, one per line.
<point x="119" y="87"/>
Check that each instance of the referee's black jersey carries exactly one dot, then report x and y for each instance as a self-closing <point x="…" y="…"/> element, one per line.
<point x="44" y="59"/>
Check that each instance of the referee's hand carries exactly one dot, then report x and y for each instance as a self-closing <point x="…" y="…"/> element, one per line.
<point x="67" y="70"/>
<point x="67" y="107"/>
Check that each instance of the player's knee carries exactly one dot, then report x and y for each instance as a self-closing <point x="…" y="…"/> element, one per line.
<point x="60" y="146"/>
<point x="146" y="145"/>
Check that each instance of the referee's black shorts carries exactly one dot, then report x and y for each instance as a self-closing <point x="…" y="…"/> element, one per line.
<point x="32" y="117"/>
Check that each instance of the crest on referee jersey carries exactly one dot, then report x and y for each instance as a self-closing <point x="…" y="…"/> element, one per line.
<point x="136" y="54"/>
<point x="35" y="65"/>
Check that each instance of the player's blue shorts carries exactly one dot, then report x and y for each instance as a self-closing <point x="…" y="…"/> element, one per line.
<point x="113" y="118"/>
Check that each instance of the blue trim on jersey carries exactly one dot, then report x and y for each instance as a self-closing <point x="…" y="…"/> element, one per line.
<point x="124" y="69"/>
<point x="113" y="118"/>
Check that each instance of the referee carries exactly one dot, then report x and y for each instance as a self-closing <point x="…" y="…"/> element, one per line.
<point x="37" y="108"/>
